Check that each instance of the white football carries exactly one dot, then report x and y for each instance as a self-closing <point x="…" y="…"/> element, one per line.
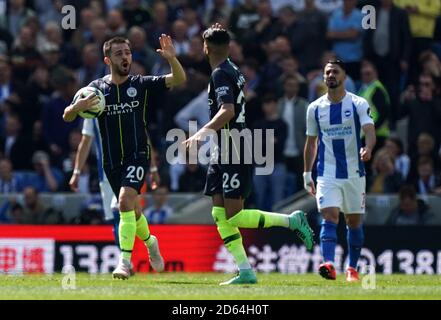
<point x="97" y="109"/>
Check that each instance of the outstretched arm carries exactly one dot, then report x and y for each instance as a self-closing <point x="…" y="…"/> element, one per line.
<point x="168" y="52"/>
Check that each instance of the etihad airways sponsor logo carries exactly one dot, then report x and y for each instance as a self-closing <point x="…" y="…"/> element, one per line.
<point x="121" y="108"/>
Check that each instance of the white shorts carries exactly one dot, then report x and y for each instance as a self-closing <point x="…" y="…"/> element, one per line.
<point x="347" y="194"/>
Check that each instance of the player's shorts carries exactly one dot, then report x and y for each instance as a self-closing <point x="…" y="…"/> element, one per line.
<point x="233" y="181"/>
<point x="347" y="194"/>
<point x="131" y="174"/>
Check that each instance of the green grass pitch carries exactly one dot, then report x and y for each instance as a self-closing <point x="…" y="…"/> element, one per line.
<point x="204" y="286"/>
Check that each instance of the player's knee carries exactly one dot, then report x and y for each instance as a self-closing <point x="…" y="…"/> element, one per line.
<point x="126" y="202"/>
<point x="331" y="217"/>
<point x="353" y="224"/>
<point x="231" y="212"/>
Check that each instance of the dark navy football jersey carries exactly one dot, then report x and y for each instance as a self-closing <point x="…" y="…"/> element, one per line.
<point x="123" y="124"/>
<point x="226" y="87"/>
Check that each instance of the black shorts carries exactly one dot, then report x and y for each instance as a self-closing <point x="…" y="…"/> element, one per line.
<point x="233" y="181"/>
<point x="131" y="174"/>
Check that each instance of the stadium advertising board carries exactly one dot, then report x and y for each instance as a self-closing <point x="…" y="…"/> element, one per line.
<point x="193" y="248"/>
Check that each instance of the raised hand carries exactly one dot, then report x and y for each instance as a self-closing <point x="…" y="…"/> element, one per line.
<point x="167" y="50"/>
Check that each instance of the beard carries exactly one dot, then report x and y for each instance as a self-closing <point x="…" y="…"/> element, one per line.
<point x="333" y="84"/>
<point x="121" y="71"/>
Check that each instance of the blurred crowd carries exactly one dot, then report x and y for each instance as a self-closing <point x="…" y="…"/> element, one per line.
<point x="280" y="46"/>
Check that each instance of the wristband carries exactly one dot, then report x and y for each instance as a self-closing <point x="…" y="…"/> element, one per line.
<point x="307" y="179"/>
<point x="77" y="171"/>
<point x="153" y="169"/>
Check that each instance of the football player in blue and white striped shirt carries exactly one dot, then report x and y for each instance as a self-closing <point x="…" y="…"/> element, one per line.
<point x="334" y="124"/>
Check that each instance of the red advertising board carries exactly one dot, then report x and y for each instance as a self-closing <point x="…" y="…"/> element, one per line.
<point x="189" y="248"/>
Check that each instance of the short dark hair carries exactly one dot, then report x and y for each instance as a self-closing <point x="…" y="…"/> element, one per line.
<point x="339" y="63"/>
<point x="216" y="36"/>
<point x="107" y="46"/>
<point x="407" y="192"/>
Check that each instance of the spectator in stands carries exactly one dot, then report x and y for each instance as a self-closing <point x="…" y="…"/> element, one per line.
<point x="160" y="212"/>
<point x="11" y="212"/>
<point x="14" y="145"/>
<point x="16" y="16"/>
<point x="242" y="19"/>
<point x="428" y="181"/>
<point x="9" y="180"/>
<point x="99" y="32"/>
<point x="5" y="79"/>
<point x="24" y="56"/>
<point x="292" y="110"/>
<point x="290" y="68"/>
<point x="5" y="41"/>
<point x="179" y="36"/>
<point x="92" y="212"/>
<point x="193" y="178"/>
<point x="264" y="30"/>
<point x="136" y="13"/>
<point x="277" y="50"/>
<point x="379" y="101"/>
<point x="83" y="34"/>
<point x="69" y="56"/>
<point x="35" y="212"/>
<point x="422" y="19"/>
<point x="51" y="13"/>
<point x="92" y="67"/>
<point x="51" y="56"/>
<point x="270" y="189"/>
<point x="385" y="178"/>
<point x="410" y="211"/>
<point x="389" y="47"/>
<point x="394" y="146"/>
<point x="56" y="131"/>
<point x="194" y="24"/>
<point x="38" y="142"/>
<point x="159" y="24"/>
<point x="425" y="147"/>
<point x="430" y="64"/>
<point x="250" y="70"/>
<point x="309" y="37"/>
<point x="220" y="11"/>
<point x="46" y="178"/>
<point x="236" y="52"/>
<point x="346" y="32"/>
<point x="328" y="6"/>
<point x="38" y="92"/>
<point x="423" y="110"/>
<point x="116" y="23"/>
<point x="141" y="51"/>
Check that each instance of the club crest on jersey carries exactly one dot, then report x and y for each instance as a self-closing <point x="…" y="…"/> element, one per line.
<point x="348" y="113"/>
<point x="132" y="92"/>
